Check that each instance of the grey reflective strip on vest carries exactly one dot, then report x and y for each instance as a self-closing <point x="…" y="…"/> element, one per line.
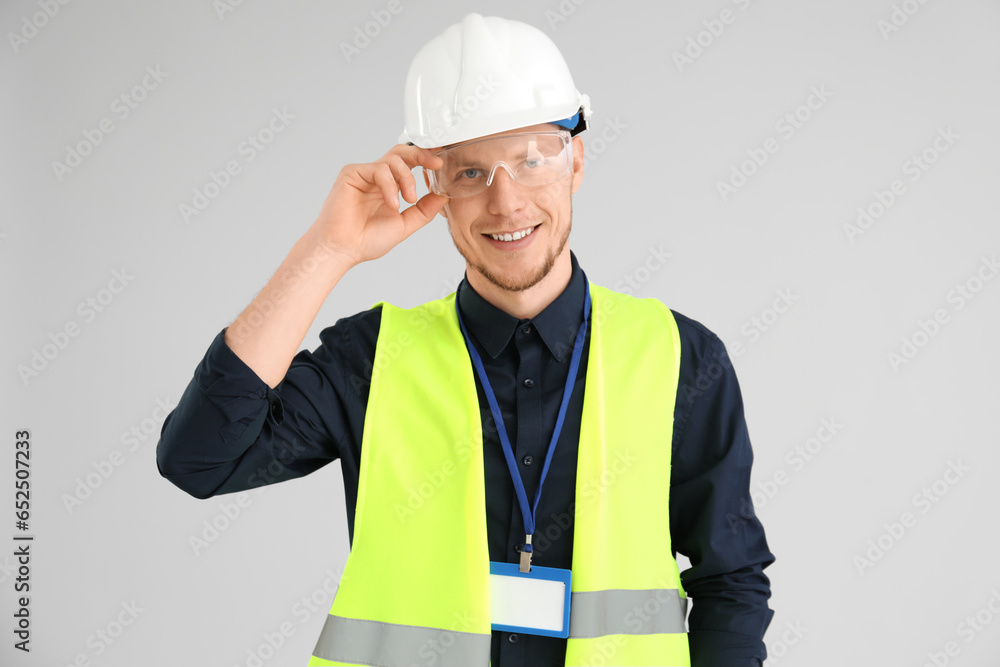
<point x="390" y="645"/>
<point x="626" y="612"/>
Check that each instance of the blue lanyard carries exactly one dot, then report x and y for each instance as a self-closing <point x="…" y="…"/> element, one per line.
<point x="528" y="515"/>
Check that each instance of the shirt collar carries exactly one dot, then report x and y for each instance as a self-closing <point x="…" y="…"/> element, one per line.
<point x="556" y="324"/>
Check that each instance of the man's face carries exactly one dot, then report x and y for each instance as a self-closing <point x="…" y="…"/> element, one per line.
<point x="506" y="207"/>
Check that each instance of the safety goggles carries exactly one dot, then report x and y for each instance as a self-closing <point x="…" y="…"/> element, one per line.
<point x="530" y="158"/>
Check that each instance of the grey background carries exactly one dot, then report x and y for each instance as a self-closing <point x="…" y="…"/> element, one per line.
<point x="651" y="183"/>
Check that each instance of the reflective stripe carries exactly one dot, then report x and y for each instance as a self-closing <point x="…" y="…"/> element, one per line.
<point x="390" y="645"/>
<point x="627" y="612"/>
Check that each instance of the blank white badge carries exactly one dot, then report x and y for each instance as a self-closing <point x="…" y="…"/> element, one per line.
<point x="535" y="602"/>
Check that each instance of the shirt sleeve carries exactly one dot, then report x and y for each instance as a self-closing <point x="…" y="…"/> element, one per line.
<point x="711" y="514"/>
<point x="231" y="432"/>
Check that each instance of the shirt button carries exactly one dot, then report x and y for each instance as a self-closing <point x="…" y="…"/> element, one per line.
<point x="517" y="548"/>
<point x="528" y="460"/>
<point x="526" y="330"/>
<point x="512" y="638"/>
<point x="529" y="383"/>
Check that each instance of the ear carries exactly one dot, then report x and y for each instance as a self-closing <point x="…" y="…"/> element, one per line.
<point x="577" y="163"/>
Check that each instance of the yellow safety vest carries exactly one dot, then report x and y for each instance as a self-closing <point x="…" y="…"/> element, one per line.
<point x="415" y="588"/>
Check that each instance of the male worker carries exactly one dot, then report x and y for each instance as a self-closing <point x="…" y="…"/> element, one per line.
<point x="451" y="418"/>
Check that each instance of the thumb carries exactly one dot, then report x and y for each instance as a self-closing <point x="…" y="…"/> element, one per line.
<point x="422" y="212"/>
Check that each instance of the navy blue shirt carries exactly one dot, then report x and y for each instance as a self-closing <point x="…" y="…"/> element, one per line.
<point x="231" y="432"/>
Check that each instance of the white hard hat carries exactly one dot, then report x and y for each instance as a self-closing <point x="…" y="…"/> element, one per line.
<point x="487" y="75"/>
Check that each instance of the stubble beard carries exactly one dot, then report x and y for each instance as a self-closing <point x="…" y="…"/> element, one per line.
<point x="520" y="282"/>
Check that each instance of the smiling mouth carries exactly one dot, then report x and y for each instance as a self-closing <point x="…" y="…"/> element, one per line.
<point x="512" y="236"/>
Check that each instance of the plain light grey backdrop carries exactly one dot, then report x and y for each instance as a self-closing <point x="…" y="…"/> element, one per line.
<point x="741" y="137"/>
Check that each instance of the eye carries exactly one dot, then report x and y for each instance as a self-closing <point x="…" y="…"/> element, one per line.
<point x="534" y="162"/>
<point x="468" y="172"/>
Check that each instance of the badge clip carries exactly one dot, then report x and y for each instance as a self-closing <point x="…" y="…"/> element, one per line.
<point x="526" y="555"/>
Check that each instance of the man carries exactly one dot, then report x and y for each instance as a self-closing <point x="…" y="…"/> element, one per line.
<point x="451" y="417"/>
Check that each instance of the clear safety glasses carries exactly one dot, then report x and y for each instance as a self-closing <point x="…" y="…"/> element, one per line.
<point x="530" y="158"/>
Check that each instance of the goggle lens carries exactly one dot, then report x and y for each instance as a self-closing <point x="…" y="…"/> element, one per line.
<point x="530" y="158"/>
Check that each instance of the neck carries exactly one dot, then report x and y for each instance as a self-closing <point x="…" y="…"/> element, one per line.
<point x="525" y="304"/>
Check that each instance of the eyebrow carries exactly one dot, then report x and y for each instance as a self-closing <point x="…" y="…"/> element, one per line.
<point x="532" y="147"/>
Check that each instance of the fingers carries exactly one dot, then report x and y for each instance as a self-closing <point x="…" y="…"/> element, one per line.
<point x="403" y="176"/>
<point x="415" y="156"/>
<point x="392" y="174"/>
<point x="385" y="181"/>
<point x="422" y="212"/>
<point x="401" y="160"/>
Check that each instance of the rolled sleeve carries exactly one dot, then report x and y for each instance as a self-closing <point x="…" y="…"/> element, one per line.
<point x="711" y="514"/>
<point x="230" y="431"/>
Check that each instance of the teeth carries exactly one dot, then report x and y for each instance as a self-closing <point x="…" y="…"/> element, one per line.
<point x="512" y="237"/>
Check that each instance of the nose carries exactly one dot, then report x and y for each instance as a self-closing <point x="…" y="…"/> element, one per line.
<point x="506" y="196"/>
<point x="493" y="171"/>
